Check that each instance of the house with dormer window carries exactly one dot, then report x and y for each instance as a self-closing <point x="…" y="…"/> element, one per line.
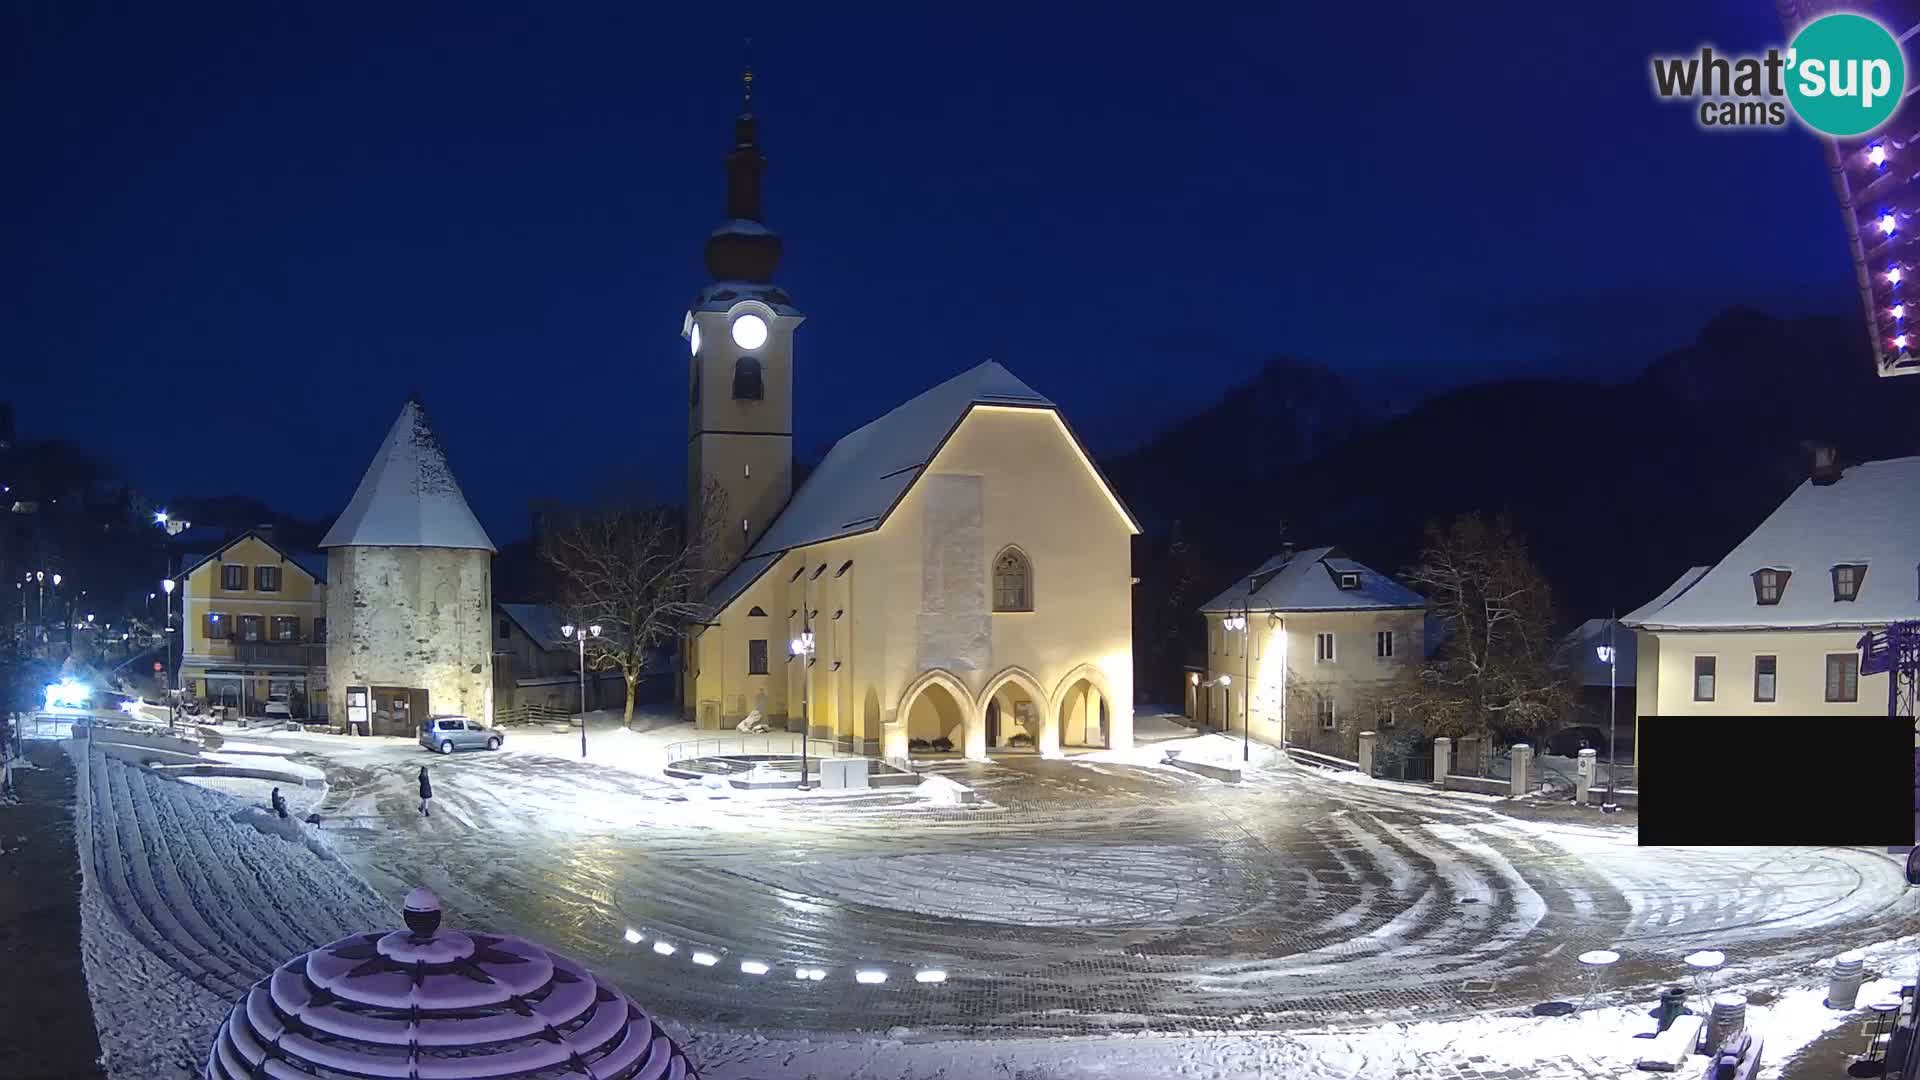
<point x="1776" y="625"/>
<point x="1302" y="647"/>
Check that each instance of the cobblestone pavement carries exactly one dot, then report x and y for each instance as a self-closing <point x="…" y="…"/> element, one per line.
<point x="1082" y="898"/>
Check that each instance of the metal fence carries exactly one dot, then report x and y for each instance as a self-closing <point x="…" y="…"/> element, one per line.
<point x="774" y="742"/>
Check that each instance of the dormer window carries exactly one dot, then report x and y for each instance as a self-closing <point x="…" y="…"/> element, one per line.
<point x="746" y="379"/>
<point x="1349" y="581"/>
<point x="1846" y="580"/>
<point x="1769" y="585"/>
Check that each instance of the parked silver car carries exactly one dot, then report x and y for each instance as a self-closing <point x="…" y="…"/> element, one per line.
<point x="445" y="734"/>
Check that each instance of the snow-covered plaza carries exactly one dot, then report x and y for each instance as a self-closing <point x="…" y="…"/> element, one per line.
<point x="1082" y="917"/>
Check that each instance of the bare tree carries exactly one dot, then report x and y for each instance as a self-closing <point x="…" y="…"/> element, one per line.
<point x="1492" y="673"/>
<point x="637" y="573"/>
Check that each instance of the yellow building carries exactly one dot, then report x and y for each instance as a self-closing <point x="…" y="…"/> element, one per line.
<point x="254" y="622"/>
<point x="1310" y="640"/>
<point x="1775" y="626"/>
<point x="954" y="575"/>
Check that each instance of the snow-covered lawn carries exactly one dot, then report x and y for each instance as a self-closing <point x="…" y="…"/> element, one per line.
<point x="1591" y="1045"/>
<point x="188" y="896"/>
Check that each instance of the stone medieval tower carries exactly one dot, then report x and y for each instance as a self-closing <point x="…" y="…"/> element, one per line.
<point x="409" y="591"/>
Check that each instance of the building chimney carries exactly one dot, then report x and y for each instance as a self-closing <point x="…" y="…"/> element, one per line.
<point x="1826" y="463"/>
<point x="265" y="532"/>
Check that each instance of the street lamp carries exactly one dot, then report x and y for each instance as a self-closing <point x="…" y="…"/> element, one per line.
<point x="581" y="634"/>
<point x="1239" y="623"/>
<point x="1610" y="657"/>
<point x="802" y="647"/>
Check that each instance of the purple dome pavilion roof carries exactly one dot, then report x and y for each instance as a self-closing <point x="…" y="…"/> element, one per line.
<point x="439" y="1005"/>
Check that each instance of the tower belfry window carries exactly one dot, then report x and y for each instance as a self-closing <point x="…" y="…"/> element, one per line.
<point x="747" y="385"/>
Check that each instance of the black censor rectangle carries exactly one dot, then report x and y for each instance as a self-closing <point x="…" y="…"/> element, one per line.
<point x="1776" y="781"/>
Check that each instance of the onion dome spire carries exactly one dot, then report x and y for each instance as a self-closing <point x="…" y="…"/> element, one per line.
<point x="744" y="249"/>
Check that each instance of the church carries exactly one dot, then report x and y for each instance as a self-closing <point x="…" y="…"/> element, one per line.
<point x="955" y="576"/>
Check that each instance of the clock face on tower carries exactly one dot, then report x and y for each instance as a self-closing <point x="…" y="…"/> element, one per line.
<point x="693" y="339"/>
<point x="749" y="332"/>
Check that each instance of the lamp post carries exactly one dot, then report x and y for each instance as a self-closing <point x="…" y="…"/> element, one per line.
<point x="1241" y="623"/>
<point x="581" y="634"/>
<point x="1609" y="657"/>
<point x="173" y="712"/>
<point x="802" y="648"/>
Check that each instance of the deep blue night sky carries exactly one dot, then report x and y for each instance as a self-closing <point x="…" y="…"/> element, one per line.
<point x="236" y="235"/>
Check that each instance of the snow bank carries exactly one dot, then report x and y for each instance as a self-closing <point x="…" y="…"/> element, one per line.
<point x="940" y="790"/>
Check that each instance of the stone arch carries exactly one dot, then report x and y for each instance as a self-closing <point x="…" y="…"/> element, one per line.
<point x="1075" y="711"/>
<point x="967" y="722"/>
<point x="1047" y="736"/>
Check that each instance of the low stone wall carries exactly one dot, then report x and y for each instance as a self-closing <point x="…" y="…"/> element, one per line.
<point x="1228" y="773"/>
<point x="1480" y="785"/>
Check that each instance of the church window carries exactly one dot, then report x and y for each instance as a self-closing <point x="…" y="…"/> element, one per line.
<point x="1012" y="581"/>
<point x="801" y="569"/>
<point x="746" y="379"/>
<point x="757" y="611"/>
<point x="506" y="629"/>
<point x="757" y="656"/>
<point x="821" y="569"/>
<point x="844" y="567"/>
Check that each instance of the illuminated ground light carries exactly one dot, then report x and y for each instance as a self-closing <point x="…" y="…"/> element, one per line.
<point x="752" y="967"/>
<point x="930" y="975"/>
<point x="633" y="936"/>
<point x="807" y="974"/>
<point x="870" y="977"/>
<point x="663" y="948"/>
<point x="705" y="959"/>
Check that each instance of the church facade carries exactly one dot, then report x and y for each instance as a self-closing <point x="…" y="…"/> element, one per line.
<point x="953" y="576"/>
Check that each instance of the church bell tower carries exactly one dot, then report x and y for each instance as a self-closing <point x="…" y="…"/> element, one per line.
<point x="740" y="334"/>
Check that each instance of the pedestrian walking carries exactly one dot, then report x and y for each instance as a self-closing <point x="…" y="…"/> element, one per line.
<point x="279" y="804"/>
<point x="426" y="792"/>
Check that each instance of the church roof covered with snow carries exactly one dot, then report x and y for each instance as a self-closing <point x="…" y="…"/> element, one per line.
<point x="408" y="497"/>
<point x="1317" y="579"/>
<point x="1843" y="554"/>
<point x="427" y="1002"/>
<point x="870" y="470"/>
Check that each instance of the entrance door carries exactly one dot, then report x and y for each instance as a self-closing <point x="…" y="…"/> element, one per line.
<point x="993" y="723"/>
<point x="1103" y="722"/>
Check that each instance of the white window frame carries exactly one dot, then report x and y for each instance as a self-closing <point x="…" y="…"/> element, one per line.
<point x="1327" y="711"/>
<point x="1383" y="638"/>
<point x="1331" y="653"/>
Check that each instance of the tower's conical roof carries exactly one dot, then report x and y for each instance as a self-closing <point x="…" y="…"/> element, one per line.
<point x="408" y="498"/>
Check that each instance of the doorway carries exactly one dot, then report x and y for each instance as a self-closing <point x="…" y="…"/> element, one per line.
<point x="993" y="723"/>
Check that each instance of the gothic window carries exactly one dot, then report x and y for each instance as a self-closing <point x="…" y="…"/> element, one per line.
<point x="1012" y="581"/>
<point x="1769" y="585"/>
<point x="746" y="379"/>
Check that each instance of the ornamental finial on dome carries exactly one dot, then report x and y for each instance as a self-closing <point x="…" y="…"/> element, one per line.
<point x="422" y="912"/>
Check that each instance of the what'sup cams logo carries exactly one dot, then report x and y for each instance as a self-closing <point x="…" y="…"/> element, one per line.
<point x="1842" y="75"/>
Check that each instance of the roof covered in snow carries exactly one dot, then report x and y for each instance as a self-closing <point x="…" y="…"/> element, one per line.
<point x="868" y="472"/>
<point x="722" y="295"/>
<point x="408" y="497"/>
<point x="1580" y="652"/>
<point x="540" y="622"/>
<point x="1310" y="581"/>
<point x="313" y="562"/>
<point x="1869" y="517"/>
